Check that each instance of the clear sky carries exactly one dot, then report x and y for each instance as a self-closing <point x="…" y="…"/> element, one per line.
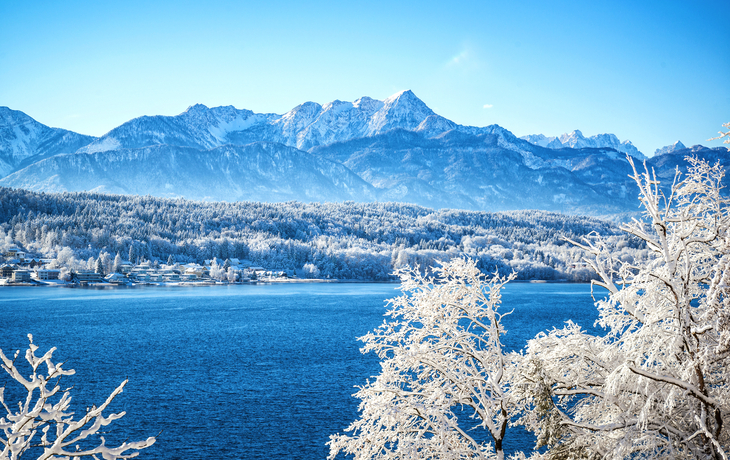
<point x="649" y="71"/>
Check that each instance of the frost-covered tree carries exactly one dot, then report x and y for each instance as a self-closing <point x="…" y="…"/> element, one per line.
<point x="657" y="384"/>
<point x="231" y="275"/>
<point x="132" y="254"/>
<point x="723" y="134"/>
<point x="310" y="271"/>
<point x="216" y="271"/>
<point x="99" y="266"/>
<point x="43" y="422"/>
<point x="64" y="258"/>
<point x="106" y="262"/>
<point x="442" y="371"/>
<point x="117" y="268"/>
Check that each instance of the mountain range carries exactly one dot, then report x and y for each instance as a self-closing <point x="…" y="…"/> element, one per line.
<point x="576" y="140"/>
<point x="397" y="149"/>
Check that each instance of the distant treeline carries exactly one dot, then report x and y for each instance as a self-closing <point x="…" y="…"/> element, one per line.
<point x="348" y="240"/>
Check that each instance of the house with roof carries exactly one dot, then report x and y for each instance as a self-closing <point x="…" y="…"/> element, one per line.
<point x="21" y="276"/>
<point x="198" y="270"/>
<point x="88" y="276"/>
<point x="6" y="271"/>
<point x="44" y="274"/>
<point x="14" y="252"/>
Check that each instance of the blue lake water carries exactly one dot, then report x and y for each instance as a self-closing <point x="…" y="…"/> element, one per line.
<point x="230" y="372"/>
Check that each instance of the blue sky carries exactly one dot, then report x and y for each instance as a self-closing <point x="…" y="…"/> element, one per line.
<point x="650" y="72"/>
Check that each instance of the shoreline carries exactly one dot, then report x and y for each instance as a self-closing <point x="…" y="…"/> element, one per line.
<point x="221" y="283"/>
<point x="185" y="283"/>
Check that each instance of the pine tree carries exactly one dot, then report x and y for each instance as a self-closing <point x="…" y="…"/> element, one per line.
<point x="117" y="263"/>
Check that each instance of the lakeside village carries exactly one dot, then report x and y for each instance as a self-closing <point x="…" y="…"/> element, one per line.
<point x="21" y="269"/>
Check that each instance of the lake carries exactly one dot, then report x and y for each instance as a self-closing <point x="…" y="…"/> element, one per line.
<point x="241" y="371"/>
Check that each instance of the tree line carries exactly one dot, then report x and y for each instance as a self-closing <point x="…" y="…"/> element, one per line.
<point x="348" y="240"/>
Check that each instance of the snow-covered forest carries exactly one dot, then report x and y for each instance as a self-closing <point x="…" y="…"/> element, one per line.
<point x="342" y="240"/>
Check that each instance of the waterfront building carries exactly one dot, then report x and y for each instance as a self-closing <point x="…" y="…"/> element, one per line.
<point x="88" y="276"/>
<point x="47" y="273"/>
<point x="6" y="271"/>
<point x="21" y="276"/>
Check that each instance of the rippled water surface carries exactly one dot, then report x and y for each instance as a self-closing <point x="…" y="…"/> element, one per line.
<point x="229" y="372"/>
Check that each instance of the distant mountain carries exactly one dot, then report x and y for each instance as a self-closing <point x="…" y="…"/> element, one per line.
<point x="305" y="126"/>
<point x="23" y="140"/>
<point x="670" y="148"/>
<point x="486" y="170"/>
<point x="576" y="140"/>
<point x="397" y="149"/>
<point x="544" y="141"/>
<point x="255" y="172"/>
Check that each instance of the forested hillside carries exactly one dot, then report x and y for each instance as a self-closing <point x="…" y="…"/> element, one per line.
<point x="343" y="240"/>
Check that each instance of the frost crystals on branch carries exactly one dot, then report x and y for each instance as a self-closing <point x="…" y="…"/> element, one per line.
<point x="443" y="371"/>
<point x="723" y="134"/>
<point x="39" y="422"/>
<point x="657" y="385"/>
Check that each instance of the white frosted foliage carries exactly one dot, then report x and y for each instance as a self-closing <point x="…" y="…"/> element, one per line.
<point x="442" y="371"/>
<point x="43" y="419"/>
<point x="657" y="383"/>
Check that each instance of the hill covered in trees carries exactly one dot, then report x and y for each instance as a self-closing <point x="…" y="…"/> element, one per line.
<point x="361" y="241"/>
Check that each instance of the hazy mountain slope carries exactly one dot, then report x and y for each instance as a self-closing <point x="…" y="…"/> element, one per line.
<point x="476" y="172"/>
<point x="255" y="172"/>
<point x="24" y="140"/>
<point x="198" y="127"/>
<point x="665" y="164"/>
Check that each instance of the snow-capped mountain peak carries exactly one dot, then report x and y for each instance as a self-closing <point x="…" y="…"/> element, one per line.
<point x="368" y="104"/>
<point x="22" y="138"/>
<point x="305" y="126"/>
<point x="571" y="139"/>
<point x="670" y="148"/>
<point x="298" y="119"/>
<point x="576" y="140"/>
<point x="198" y="126"/>
<point x="338" y="106"/>
<point x="196" y="108"/>
<point x="401" y="110"/>
<point x="543" y="141"/>
<point x="396" y="149"/>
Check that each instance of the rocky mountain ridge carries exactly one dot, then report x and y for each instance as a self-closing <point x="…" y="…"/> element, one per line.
<point x="397" y="149"/>
<point x="670" y="148"/>
<point x="576" y="140"/>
